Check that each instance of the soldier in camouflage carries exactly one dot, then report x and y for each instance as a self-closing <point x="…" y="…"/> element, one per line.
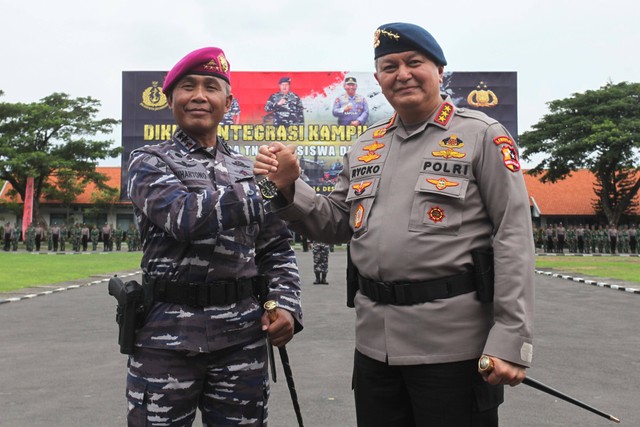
<point x="320" y="262"/>
<point x="63" y="237"/>
<point x="94" y="235"/>
<point x="205" y="226"/>
<point x="31" y="238"/>
<point x="285" y="105"/>
<point x="16" y="237"/>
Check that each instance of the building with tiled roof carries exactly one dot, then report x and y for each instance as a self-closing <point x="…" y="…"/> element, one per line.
<point x="570" y="201"/>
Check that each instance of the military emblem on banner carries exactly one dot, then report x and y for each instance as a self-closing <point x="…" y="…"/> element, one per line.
<point x="482" y="97"/>
<point x="153" y="98"/>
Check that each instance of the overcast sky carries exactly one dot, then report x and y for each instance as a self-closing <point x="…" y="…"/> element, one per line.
<point x="81" y="47"/>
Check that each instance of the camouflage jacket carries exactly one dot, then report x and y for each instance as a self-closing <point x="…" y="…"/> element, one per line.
<point x="201" y="220"/>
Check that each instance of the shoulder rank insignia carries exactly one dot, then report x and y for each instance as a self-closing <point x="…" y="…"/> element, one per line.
<point x="443" y="115"/>
<point x="442" y="183"/>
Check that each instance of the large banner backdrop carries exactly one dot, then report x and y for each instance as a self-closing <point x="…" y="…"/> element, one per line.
<point x="315" y="128"/>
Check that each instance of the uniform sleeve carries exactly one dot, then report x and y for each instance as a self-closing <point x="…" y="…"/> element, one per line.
<point x="365" y="112"/>
<point x="276" y="260"/>
<point x="271" y="103"/>
<point x="190" y="213"/>
<point x="319" y="217"/>
<point x="505" y="196"/>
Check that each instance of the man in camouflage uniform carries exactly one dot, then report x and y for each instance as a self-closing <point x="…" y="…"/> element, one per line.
<point x="94" y="236"/>
<point x="209" y="240"/>
<point x="633" y="239"/>
<point x="30" y="238"/>
<point x="232" y="117"/>
<point x="7" y="236"/>
<point x="130" y="234"/>
<point x="117" y="237"/>
<point x="285" y="105"/>
<point x="572" y="239"/>
<point x="76" y="237"/>
<point x="16" y="237"/>
<point x="320" y="262"/>
<point x="63" y="237"/>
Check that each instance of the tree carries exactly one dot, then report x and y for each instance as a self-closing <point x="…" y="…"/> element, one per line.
<point x="53" y="138"/>
<point x="598" y="130"/>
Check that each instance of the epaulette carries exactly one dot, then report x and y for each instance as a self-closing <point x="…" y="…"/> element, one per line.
<point x="475" y="114"/>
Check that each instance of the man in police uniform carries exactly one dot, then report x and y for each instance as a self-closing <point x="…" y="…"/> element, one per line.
<point x="211" y="249"/>
<point x="419" y="193"/>
<point x="350" y="108"/>
<point x="285" y="105"/>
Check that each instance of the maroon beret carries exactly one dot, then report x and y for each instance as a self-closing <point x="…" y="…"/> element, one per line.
<point x="208" y="61"/>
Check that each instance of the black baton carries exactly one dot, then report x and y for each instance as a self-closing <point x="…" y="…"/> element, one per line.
<point x="270" y="308"/>
<point x="485" y="364"/>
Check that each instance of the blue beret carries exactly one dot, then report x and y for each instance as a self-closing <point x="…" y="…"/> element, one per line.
<point x="284" y="80"/>
<point x="402" y="37"/>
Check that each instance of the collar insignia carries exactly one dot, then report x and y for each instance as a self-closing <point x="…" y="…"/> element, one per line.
<point x="443" y="115"/>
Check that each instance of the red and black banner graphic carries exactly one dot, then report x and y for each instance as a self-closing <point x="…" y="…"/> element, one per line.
<point x="323" y="112"/>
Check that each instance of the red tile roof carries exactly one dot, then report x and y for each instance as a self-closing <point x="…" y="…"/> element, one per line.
<point x="571" y="196"/>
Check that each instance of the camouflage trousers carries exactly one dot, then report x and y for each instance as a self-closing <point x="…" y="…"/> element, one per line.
<point x="320" y="257"/>
<point x="230" y="386"/>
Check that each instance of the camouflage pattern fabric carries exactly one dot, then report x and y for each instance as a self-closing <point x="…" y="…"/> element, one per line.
<point x="289" y="113"/>
<point x="320" y="257"/>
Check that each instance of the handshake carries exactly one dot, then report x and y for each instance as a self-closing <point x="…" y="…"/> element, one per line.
<point x="279" y="163"/>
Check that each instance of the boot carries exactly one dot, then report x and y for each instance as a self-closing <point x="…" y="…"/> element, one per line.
<point x="317" y="282"/>
<point x="323" y="279"/>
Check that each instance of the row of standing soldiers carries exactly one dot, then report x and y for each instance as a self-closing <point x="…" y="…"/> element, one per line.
<point x="587" y="239"/>
<point x="78" y="236"/>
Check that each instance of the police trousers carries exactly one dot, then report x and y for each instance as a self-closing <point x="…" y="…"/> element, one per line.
<point x="435" y="395"/>
<point x="229" y="386"/>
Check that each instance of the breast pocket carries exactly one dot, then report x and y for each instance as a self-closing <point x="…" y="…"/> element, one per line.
<point x="438" y="204"/>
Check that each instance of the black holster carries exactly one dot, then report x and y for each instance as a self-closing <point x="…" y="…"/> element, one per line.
<point x="483" y="272"/>
<point x="130" y="312"/>
<point x="352" y="280"/>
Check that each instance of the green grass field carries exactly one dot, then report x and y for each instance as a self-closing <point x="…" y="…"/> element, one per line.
<point x="21" y="269"/>
<point x="621" y="268"/>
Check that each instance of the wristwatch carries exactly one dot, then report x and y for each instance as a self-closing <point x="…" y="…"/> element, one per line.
<point x="268" y="188"/>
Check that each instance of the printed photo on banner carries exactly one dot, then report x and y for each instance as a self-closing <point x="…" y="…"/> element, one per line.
<point x="321" y="112"/>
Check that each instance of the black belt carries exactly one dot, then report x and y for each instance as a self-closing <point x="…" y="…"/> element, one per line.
<point x="222" y="292"/>
<point x="408" y="293"/>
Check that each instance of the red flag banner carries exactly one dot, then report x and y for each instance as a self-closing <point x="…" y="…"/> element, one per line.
<point x="27" y="214"/>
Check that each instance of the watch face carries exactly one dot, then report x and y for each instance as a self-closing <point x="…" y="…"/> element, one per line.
<point x="267" y="188"/>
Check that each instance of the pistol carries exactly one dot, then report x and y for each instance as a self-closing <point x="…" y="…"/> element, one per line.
<point x="129" y="312"/>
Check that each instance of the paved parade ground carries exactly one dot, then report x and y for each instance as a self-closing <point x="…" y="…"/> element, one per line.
<point x="60" y="364"/>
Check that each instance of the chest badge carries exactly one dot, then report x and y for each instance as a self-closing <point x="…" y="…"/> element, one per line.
<point x="360" y="187"/>
<point x="371" y="152"/>
<point x="450" y="145"/>
<point x="436" y="214"/>
<point x="442" y="183"/>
